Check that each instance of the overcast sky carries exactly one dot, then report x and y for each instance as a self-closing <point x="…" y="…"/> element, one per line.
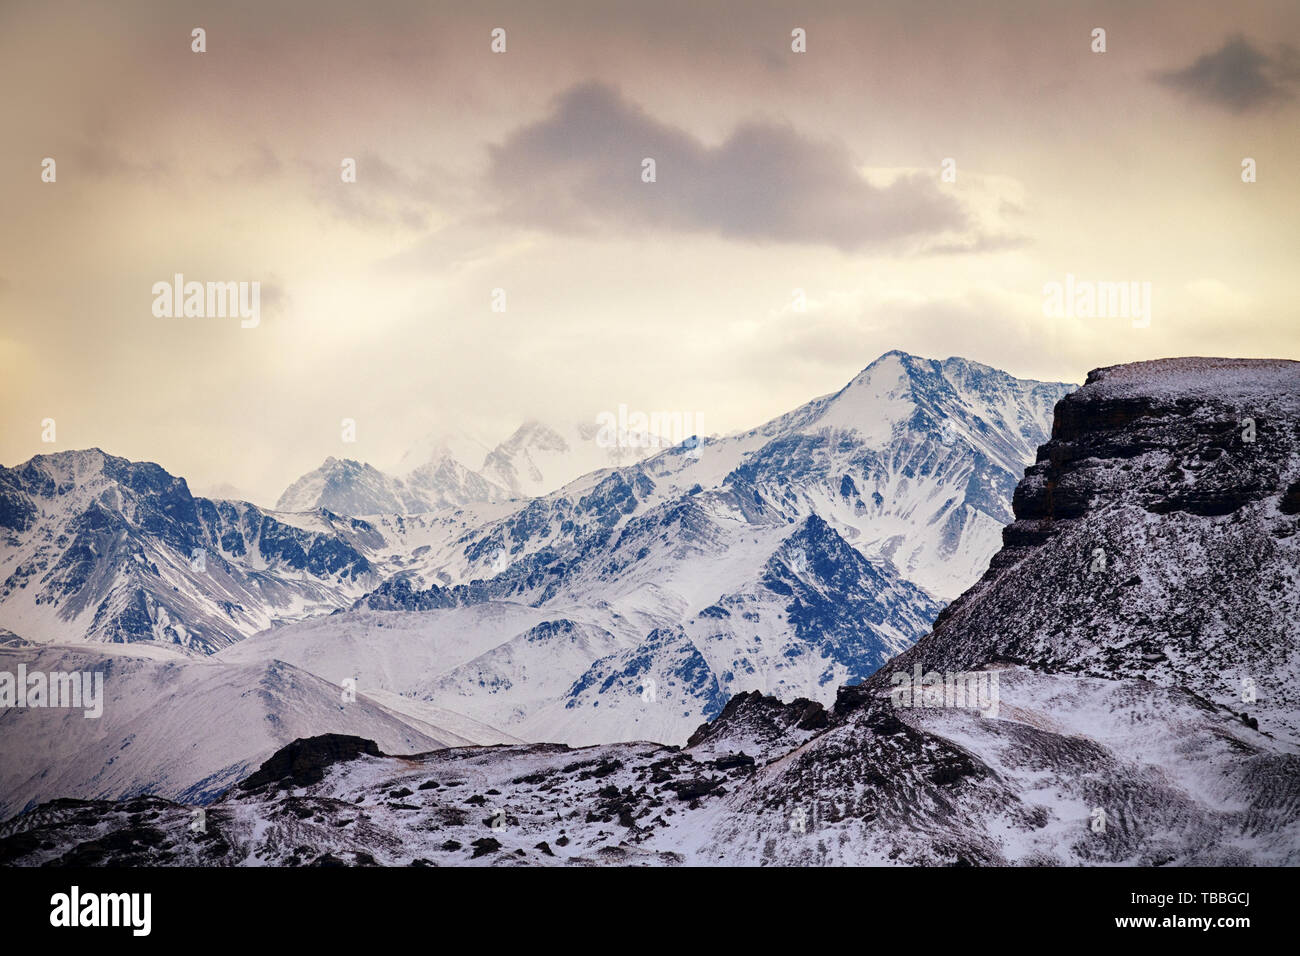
<point x="522" y="171"/>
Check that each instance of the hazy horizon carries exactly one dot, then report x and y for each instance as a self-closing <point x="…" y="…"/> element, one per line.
<point x="267" y="497"/>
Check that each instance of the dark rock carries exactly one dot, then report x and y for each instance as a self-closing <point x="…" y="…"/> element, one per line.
<point x="303" y="762"/>
<point x="731" y="761"/>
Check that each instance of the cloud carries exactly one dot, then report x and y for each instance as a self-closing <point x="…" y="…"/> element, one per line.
<point x="843" y="331"/>
<point x="1238" y="77"/>
<point x="102" y="160"/>
<point x="579" y="170"/>
<point x="383" y="194"/>
<point x="264" y="165"/>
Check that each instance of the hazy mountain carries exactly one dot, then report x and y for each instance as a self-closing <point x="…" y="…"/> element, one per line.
<point x="348" y="487"/>
<point x="455" y="469"/>
<point x="538" y="459"/>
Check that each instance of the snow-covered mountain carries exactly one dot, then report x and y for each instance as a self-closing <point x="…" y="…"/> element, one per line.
<point x="788" y="559"/>
<point x="348" y="487"/>
<point x="1145" y="700"/>
<point x="100" y="548"/>
<point x="455" y="469"/>
<point x="914" y="460"/>
<point x="538" y="459"/>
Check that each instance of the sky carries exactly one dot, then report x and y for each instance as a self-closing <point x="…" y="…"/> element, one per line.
<point x="799" y="223"/>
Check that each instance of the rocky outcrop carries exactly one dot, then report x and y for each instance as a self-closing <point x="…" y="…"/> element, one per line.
<point x="303" y="762"/>
<point x="760" y="722"/>
<point x="1155" y="538"/>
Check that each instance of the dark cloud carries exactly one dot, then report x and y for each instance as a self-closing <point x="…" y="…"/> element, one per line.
<point x="1238" y="76"/>
<point x="579" y="169"/>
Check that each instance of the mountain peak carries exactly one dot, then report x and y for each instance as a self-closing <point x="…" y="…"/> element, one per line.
<point x="80" y="459"/>
<point x="445" y="444"/>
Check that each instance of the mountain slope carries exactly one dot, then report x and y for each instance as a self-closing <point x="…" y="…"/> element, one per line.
<point x="1177" y="786"/>
<point x="181" y="729"/>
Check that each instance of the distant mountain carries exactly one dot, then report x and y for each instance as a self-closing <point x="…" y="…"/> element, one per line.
<point x="538" y="459"/>
<point x="454" y="469"/>
<point x="457" y="445"/>
<point x="788" y="559"/>
<point x="348" y="487"/>
<point x="445" y="483"/>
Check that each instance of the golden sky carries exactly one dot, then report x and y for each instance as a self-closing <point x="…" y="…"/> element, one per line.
<point x="521" y="171"/>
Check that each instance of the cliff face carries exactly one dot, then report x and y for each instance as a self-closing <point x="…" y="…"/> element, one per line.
<point x="1155" y="538"/>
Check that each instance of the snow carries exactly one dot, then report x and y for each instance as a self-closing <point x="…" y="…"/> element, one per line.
<point x="1218" y="379"/>
<point x="178" y="728"/>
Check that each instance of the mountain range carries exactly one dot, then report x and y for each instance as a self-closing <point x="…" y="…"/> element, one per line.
<point x="1137" y="639"/>
<point x="448" y="470"/>
<point x="631" y="603"/>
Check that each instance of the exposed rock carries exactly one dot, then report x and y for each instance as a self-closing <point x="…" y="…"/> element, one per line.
<point x="303" y="762"/>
